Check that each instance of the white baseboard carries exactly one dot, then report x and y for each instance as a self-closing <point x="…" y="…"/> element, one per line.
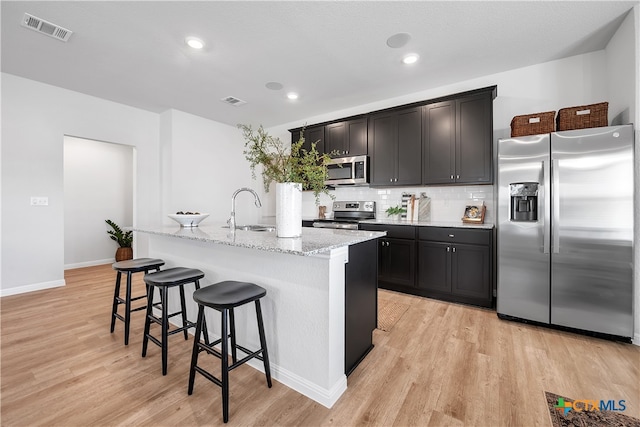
<point x="636" y="339"/>
<point x="325" y="397"/>
<point x="30" y="288"/>
<point x="89" y="263"/>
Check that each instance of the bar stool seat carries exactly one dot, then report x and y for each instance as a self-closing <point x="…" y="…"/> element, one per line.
<point x="129" y="267"/>
<point x="224" y="297"/>
<point x="163" y="280"/>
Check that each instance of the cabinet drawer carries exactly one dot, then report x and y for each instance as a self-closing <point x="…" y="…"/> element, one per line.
<point x="455" y="235"/>
<point x="393" y="231"/>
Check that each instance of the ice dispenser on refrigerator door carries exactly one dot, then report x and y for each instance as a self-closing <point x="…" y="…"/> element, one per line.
<point x="524" y="201"/>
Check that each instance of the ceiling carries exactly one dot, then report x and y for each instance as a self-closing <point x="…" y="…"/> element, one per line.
<point x="333" y="53"/>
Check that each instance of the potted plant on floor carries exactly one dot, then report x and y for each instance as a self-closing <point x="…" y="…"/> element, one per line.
<point x="292" y="169"/>
<point x="124" y="239"/>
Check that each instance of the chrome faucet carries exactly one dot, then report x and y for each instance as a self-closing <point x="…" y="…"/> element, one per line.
<point x="232" y="221"/>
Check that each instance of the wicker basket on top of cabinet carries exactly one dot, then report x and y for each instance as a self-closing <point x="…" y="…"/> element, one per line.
<point x="533" y="124"/>
<point x="584" y="116"/>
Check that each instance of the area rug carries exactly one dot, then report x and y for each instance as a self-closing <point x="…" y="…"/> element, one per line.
<point x="389" y="313"/>
<point x="564" y="415"/>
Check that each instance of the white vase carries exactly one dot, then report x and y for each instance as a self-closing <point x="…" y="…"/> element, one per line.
<point x="288" y="209"/>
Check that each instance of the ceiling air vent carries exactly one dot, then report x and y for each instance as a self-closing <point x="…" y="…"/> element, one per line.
<point x="45" y="27"/>
<point x="233" y="101"/>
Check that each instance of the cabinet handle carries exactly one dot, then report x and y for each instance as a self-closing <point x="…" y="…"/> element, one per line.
<point x="452" y="235"/>
<point x="390" y="179"/>
<point x="448" y="248"/>
<point x="457" y="176"/>
<point x="346" y="152"/>
<point x="454" y="249"/>
<point x="451" y="176"/>
<point x="395" y="180"/>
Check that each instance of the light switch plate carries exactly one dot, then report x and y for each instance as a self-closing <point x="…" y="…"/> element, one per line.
<point x="39" y="201"/>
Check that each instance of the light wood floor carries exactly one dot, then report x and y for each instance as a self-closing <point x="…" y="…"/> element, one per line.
<point x="441" y="364"/>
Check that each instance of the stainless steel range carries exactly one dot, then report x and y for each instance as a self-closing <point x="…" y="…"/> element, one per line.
<point x="347" y="215"/>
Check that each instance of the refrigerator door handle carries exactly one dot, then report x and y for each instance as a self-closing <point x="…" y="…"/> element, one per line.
<point x="555" y="206"/>
<point x="546" y="217"/>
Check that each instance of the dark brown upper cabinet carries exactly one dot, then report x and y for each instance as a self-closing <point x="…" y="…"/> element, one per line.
<point x="395" y="141"/>
<point x="457" y="140"/>
<point x="312" y="134"/>
<point x="348" y="138"/>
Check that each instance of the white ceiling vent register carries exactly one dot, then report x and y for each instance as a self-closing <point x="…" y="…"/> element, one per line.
<point x="45" y="27"/>
<point x="231" y="100"/>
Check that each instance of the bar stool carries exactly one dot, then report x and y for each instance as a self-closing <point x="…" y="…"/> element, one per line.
<point x="224" y="297"/>
<point x="165" y="279"/>
<point x="129" y="267"/>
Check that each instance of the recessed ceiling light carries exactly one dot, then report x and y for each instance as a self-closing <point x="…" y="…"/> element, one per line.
<point x="194" y="42"/>
<point x="410" y="58"/>
<point x="292" y="95"/>
<point x="398" y="40"/>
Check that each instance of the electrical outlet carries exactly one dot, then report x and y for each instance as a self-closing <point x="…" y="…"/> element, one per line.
<point x="39" y="201"/>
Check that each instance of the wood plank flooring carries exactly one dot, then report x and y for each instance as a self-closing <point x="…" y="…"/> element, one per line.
<point x="441" y="364"/>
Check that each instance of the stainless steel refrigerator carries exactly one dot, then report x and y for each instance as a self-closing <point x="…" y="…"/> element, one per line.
<point x="565" y="229"/>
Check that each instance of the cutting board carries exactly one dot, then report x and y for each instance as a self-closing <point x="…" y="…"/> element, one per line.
<point x="424" y="208"/>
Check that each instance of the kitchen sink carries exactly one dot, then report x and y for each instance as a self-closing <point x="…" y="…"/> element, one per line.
<point x="254" y="227"/>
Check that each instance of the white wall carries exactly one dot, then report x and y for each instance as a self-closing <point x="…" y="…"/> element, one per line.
<point x="35" y="119"/>
<point x="98" y="185"/>
<point x="203" y="165"/>
<point x="621" y="81"/>
<point x="623" y="75"/>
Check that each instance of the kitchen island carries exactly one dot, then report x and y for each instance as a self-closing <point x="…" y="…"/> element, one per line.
<point x="321" y="302"/>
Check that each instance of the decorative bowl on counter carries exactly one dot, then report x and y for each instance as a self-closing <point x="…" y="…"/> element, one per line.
<point x="188" y="219"/>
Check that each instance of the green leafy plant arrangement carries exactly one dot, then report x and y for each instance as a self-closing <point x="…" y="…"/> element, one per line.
<point x="395" y="210"/>
<point x="123" y="238"/>
<point x="282" y="164"/>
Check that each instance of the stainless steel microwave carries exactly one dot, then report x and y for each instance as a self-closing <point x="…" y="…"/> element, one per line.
<point x="348" y="171"/>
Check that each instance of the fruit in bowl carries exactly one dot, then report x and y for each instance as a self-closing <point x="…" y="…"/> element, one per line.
<point x="188" y="219"/>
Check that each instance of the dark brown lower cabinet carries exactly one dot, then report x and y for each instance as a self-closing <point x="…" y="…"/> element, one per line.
<point x="396" y="256"/>
<point x="447" y="263"/>
<point x="456" y="264"/>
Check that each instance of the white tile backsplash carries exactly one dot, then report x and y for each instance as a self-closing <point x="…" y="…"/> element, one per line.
<point x="447" y="202"/>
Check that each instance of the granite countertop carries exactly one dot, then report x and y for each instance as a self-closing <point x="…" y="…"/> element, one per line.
<point x="455" y="224"/>
<point x="313" y="240"/>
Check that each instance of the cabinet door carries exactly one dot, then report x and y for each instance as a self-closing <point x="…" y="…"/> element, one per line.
<point x="383" y="130"/>
<point x="335" y="139"/>
<point x="356" y="144"/>
<point x="471" y="271"/>
<point x="474" y="130"/>
<point x="434" y="266"/>
<point x="409" y="151"/>
<point x="397" y="261"/>
<point x="439" y="143"/>
<point x="314" y="135"/>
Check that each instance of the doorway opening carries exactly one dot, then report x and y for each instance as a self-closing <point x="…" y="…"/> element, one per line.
<point x="99" y="180"/>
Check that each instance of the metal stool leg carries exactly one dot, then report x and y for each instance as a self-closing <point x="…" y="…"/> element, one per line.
<point x="147" y="321"/>
<point x="116" y="294"/>
<point x="127" y="309"/>
<point x="263" y="343"/>
<point x="196" y="349"/>
<point x="183" y="309"/>
<point x="204" y="321"/>
<point x="225" y="367"/>
<point x="232" y="332"/>
<point x="165" y="327"/>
